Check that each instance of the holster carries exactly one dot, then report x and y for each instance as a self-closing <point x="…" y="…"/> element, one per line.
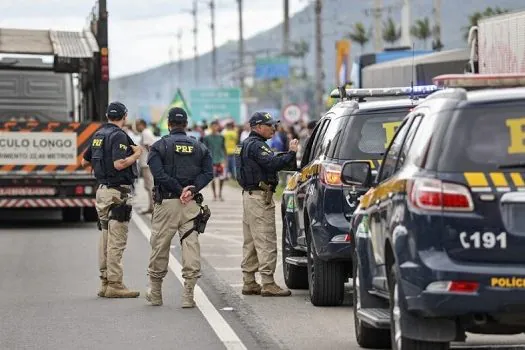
<point x="157" y="195"/>
<point x="121" y="212"/>
<point x="200" y="221"/>
<point x="268" y="193"/>
<point x="102" y="224"/>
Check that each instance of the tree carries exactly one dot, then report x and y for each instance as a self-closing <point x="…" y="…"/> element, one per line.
<point x="359" y="34"/>
<point x="421" y="30"/>
<point x="437" y="45"/>
<point x="300" y="50"/>
<point x="391" y="33"/>
<point x="474" y="18"/>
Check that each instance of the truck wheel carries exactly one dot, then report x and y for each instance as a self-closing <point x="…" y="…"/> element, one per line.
<point x="366" y="335"/>
<point x="326" y="279"/>
<point x="90" y="214"/>
<point x="399" y="342"/>
<point x="71" y="214"/>
<point x="295" y="277"/>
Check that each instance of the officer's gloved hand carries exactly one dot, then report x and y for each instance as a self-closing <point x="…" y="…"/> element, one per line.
<point x="187" y="194"/>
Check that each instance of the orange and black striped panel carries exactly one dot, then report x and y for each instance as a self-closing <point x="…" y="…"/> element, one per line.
<point x="84" y="132"/>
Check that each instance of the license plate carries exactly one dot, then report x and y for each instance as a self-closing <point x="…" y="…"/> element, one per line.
<point x="27" y="191"/>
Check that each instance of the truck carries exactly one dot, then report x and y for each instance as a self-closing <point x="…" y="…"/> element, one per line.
<point x="53" y="95"/>
<point x="497" y="44"/>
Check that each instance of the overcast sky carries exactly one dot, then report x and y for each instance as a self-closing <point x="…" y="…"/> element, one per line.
<point x="142" y="31"/>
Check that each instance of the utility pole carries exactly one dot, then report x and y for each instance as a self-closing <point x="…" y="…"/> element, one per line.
<point x="103" y="79"/>
<point x="437" y="21"/>
<point x="286" y="49"/>
<point x="179" y="63"/>
<point x="195" y="51"/>
<point x="319" y="83"/>
<point x="213" y="48"/>
<point x="378" y="25"/>
<point x="241" y="48"/>
<point x="406" y="19"/>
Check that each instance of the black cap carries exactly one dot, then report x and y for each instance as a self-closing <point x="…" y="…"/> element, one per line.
<point x="116" y="110"/>
<point x="177" y="115"/>
<point x="262" y="118"/>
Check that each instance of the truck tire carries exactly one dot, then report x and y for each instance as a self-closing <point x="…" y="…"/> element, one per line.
<point x="71" y="214"/>
<point x="367" y="336"/>
<point x="399" y="342"/>
<point x="326" y="279"/>
<point x="295" y="277"/>
<point x="90" y="214"/>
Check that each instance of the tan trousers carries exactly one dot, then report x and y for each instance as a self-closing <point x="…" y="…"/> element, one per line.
<point x="148" y="184"/>
<point x="113" y="240"/>
<point x="260" y="238"/>
<point x="169" y="218"/>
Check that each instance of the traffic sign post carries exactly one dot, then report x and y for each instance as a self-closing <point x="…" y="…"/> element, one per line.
<point x="212" y="104"/>
<point x="292" y="113"/>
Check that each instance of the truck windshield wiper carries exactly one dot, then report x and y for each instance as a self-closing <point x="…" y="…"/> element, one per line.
<point x="512" y="165"/>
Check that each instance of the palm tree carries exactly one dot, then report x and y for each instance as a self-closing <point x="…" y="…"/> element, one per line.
<point x="474" y="18"/>
<point x="359" y="34"/>
<point x="421" y="30"/>
<point x="391" y="33"/>
<point x="437" y="45"/>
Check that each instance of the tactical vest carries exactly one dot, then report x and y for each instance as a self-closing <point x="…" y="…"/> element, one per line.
<point x="102" y="161"/>
<point x="249" y="173"/>
<point x="181" y="157"/>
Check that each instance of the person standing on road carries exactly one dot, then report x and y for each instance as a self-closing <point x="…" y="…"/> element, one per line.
<point x="181" y="167"/>
<point x="217" y="146"/>
<point x="257" y="168"/>
<point x="231" y="139"/>
<point x="146" y="141"/>
<point x="113" y="156"/>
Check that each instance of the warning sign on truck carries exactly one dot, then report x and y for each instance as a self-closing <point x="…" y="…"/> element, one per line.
<point x="38" y="148"/>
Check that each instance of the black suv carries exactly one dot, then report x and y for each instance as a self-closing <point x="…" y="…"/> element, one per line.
<point x="440" y="235"/>
<point x="317" y="207"/>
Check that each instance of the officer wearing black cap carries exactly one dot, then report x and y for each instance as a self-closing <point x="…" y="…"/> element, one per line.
<point x="257" y="168"/>
<point x="181" y="167"/>
<point x="113" y="156"/>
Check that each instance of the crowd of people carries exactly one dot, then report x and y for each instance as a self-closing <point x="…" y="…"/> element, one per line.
<point x="221" y="137"/>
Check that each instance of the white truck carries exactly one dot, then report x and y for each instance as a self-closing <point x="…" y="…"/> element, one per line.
<point x="498" y="44"/>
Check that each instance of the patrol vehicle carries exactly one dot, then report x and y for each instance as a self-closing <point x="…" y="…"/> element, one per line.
<point x="440" y="234"/>
<point x="316" y="207"/>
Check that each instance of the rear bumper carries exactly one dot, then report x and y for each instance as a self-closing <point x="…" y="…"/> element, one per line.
<point x="329" y="239"/>
<point x="46" y="202"/>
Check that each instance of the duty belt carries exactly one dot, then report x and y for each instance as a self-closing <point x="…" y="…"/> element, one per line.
<point x="169" y="195"/>
<point x="121" y="188"/>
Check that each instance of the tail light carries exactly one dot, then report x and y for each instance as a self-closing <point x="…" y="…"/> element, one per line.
<point x="330" y="174"/>
<point x="79" y="190"/>
<point x="432" y="194"/>
<point x="104" y="64"/>
<point x="466" y="287"/>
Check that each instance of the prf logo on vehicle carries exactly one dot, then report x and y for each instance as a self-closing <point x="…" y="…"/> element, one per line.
<point x="507" y="282"/>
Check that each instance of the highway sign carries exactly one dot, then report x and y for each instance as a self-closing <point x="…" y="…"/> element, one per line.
<point x="210" y="104"/>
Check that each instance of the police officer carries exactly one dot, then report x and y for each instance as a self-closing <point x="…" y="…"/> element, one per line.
<point x="257" y="168"/>
<point x="181" y="167"/>
<point x="113" y="156"/>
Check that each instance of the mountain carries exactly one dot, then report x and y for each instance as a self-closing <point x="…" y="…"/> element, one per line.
<point x="156" y="86"/>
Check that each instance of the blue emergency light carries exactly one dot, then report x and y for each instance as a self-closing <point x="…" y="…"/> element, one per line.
<point x="416" y="91"/>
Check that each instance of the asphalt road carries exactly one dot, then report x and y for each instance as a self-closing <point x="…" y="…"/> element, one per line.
<point x="49" y="280"/>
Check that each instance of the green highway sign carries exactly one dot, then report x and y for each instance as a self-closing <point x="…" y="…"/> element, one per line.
<point x="212" y="104"/>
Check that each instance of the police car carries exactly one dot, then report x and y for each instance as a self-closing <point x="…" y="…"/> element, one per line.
<point x="316" y="207"/>
<point x="440" y="235"/>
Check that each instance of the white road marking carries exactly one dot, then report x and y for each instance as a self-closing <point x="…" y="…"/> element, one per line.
<point x="223" y="330"/>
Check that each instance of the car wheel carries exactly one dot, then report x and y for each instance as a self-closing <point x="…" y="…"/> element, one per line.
<point x="295" y="277"/>
<point x="71" y="214"/>
<point x="366" y="336"/>
<point x="326" y="279"/>
<point x="399" y="341"/>
<point x="90" y="214"/>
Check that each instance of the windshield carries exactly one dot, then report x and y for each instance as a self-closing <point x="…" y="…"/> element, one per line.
<point x="370" y="132"/>
<point x="485" y="138"/>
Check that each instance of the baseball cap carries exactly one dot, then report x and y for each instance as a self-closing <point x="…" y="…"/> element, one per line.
<point x="262" y="118"/>
<point x="116" y="110"/>
<point x="177" y="115"/>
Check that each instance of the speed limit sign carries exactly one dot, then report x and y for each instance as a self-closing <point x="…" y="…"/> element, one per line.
<point x="292" y="113"/>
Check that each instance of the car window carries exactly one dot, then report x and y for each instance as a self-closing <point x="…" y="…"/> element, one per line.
<point x="309" y="145"/>
<point x="329" y="136"/>
<point x="409" y="139"/>
<point x="317" y="146"/>
<point x="367" y="135"/>
<point x="484" y="137"/>
<point x="388" y="166"/>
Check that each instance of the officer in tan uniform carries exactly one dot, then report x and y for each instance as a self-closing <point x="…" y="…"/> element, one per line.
<point x="181" y="167"/>
<point x="257" y="168"/>
<point x="113" y="156"/>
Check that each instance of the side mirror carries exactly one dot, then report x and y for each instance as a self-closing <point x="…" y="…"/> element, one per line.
<point x="357" y="173"/>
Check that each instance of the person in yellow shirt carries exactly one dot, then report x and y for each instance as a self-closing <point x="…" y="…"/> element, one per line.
<point x="231" y="139"/>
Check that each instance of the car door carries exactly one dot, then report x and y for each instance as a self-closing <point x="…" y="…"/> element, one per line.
<point x="307" y="174"/>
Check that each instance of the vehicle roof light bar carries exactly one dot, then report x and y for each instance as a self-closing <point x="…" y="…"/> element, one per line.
<point x="416" y="91"/>
<point x="479" y="80"/>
